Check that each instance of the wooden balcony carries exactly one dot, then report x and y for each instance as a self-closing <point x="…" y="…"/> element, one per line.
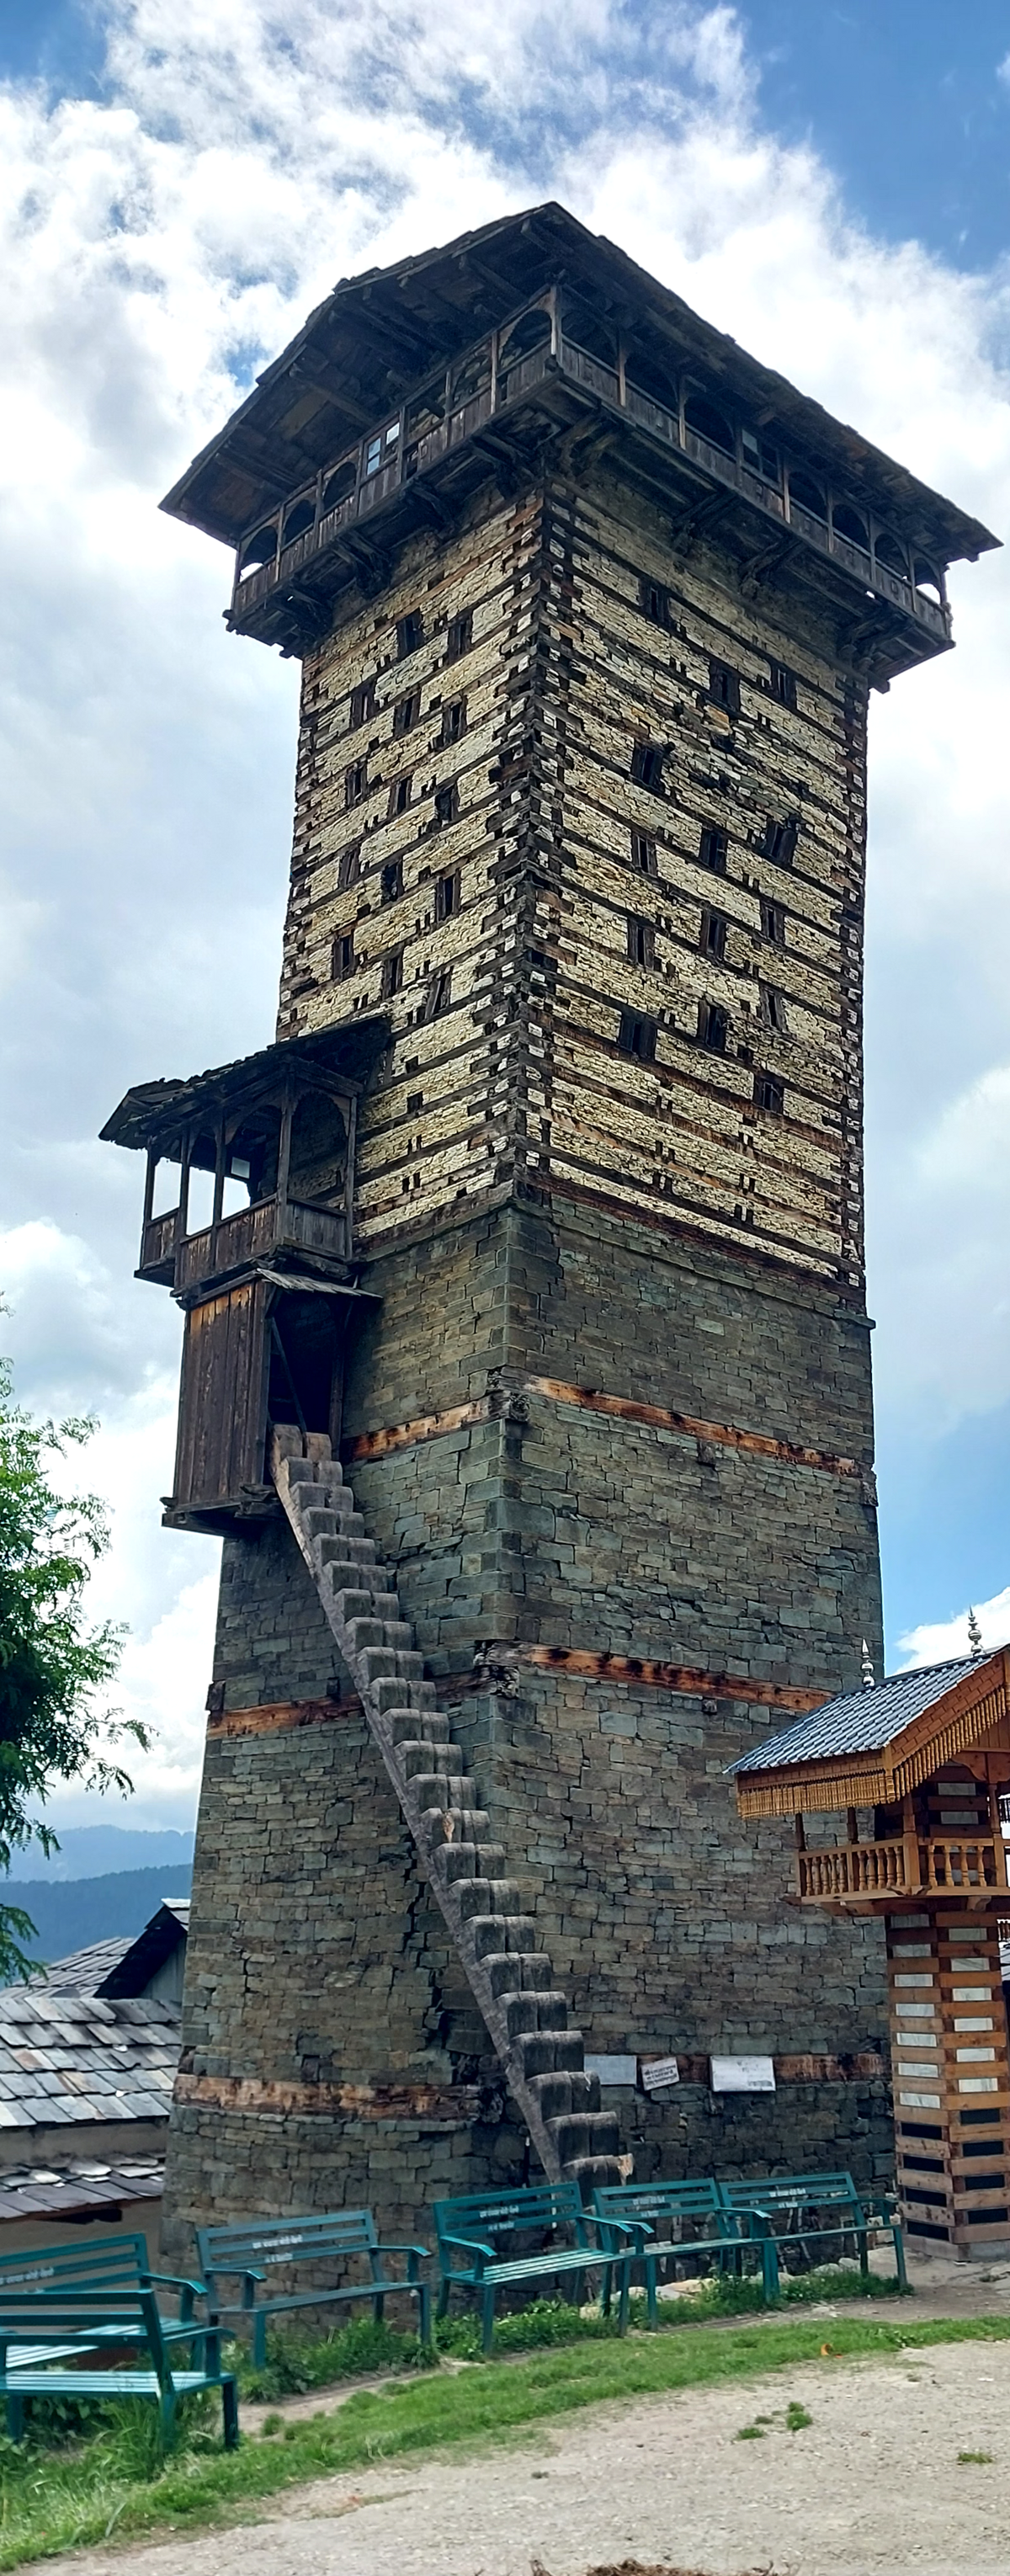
<point x="238" y="1242"/>
<point x="859" y="1875"/>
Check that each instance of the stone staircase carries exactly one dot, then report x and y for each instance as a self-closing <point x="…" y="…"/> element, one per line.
<point x="541" y="2056"/>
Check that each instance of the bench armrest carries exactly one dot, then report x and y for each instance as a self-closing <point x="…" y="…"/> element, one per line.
<point x="636" y="2227"/>
<point x="403" y="2249"/>
<point x="469" y="2245"/>
<point x="188" y="2290"/>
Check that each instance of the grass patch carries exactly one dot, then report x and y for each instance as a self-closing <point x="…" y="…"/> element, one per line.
<point x="52" y="2500"/>
<point x="974" y="2459"/>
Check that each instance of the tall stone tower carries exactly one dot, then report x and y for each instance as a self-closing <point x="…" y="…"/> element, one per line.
<point x="544" y="1217"/>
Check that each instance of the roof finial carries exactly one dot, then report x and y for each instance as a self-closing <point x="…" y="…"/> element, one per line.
<point x="869" y="1676"/>
<point x="974" y="1633"/>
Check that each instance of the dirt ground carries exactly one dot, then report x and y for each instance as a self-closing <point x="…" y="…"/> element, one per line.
<point x="875" y="2482"/>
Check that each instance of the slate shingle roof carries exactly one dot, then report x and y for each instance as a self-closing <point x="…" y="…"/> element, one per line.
<point x="861" y="1721"/>
<point x="78" y="2187"/>
<point x="68" y="2059"/>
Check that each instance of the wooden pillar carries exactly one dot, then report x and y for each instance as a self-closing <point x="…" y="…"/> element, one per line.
<point x="951" y="2073"/>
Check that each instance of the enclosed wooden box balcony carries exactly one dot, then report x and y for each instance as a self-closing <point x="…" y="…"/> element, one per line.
<point x="267" y="1285"/>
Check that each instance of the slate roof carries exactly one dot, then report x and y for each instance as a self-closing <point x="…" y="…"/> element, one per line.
<point x="84" y="1971"/>
<point x="67" y="2059"/>
<point x="861" y="1721"/>
<point x="78" y="2188"/>
<point x="121" y="1965"/>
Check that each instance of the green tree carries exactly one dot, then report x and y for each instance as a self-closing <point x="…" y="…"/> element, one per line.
<point x="55" y="1670"/>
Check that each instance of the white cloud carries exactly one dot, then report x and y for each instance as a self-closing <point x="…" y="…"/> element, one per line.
<point x="163" y="237"/>
<point x="935" y="1643"/>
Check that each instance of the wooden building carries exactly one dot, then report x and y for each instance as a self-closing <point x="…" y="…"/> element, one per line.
<point x="566" y="1258"/>
<point x="920" y="1771"/>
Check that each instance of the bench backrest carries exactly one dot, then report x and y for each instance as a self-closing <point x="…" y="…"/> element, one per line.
<point x="257" y="2244"/>
<point x="103" y="2264"/>
<point x="27" y="2319"/>
<point x="794" y="2191"/>
<point x="494" y="2217"/>
<point x="685" y="2205"/>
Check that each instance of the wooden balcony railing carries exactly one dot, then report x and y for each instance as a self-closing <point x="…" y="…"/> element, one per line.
<point x="238" y="1241"/>
<point x="909" y="1865"/>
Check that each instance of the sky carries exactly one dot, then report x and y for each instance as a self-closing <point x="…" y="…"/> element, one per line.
<point x="180" y="181"/>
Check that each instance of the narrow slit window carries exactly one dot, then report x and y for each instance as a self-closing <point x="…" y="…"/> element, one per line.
<point x="782" y="683"/>
<point x="392" y="880"/>
<point x="636" y="1035"/>
<point x="446" y="805"/>
<point x="439" y="994"/>
<point x="349" y="866"/>
<point x="454" y="720"/>
<point x="713" y="932"/>
<point x="712" y="848"/>
<point x="773" y="922"/>
<point x="769" y="1094"/>
<point x="355" y="782"/>
<point x="392" y="973"/>
<point x="647" y="765"/>
<point x="780" y="840"/>
<point x="643" y="853"/>
<point x="724" y="687"/>
<point x="400" y="794"/>
<point x="409" y="634"/>
<point x="459" y="635"/>
<point x="713" y="1027"/>
<point x="641" y="941"/>
<point x="447" y="897"/>
<point x="406" y="711"/>
<point x="343" y="957"/>
<point x="773" y="1009"/>
<point x="362" y="704"/>
<point x="655" y="601"/>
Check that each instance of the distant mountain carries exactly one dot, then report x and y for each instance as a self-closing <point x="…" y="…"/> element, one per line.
<point x="91" y="1851"/>
<point x="75" y="1911"/>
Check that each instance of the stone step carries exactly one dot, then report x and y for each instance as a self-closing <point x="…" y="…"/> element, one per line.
<point x="584" y="2133"/>
<point x="469" y="1859"/>
<point x="310" y="1471"/>
<point x="534" y="2012"/>
<point x="428" y="1753"/>
<point x="327" y="1520"/>
<point x="390" y="1690"/>
<point x="410" y="1726"/>
<point x="563" y="2093"/>
<point x="332" y="1554"/>
<point x="595" y="2173"/>
<point x="489" y="1934"/>
<point x="491" y="1896"/>
<point x="440" y="1792"/>
<point x="468" y="1824"/>
<point x="540" y="2051"/>
<point x="518" y="1971"/>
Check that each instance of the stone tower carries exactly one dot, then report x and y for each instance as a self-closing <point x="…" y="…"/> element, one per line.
<point x="544" y="1216"/>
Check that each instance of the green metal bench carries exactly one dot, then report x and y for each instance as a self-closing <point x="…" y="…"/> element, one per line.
<point x="819" y="2206"/>
<point x="253" y="2247"/>
<point x="66" y="2311"/>
<point x="478" y="2227"/>
<point x="669" y="2220"/>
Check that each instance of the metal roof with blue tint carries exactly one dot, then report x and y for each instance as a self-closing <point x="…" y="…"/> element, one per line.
<point x="861" y="1721"/>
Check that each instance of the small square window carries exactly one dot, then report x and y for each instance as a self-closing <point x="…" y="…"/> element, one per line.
<point x="712" y="848"/>
<point x="392" y="880"/>
<point x="446" y="804"/>
<point x="641" y="941"/>
<point x="782" y="683"/>
<point x="415" y="1101"/>
<point x="392" y="973"/>
<point x="446" y="897"/>
<point x="400" y="794"/>
<point x="643" y="853"/>
<point x="356" y="782"/>
<point x="780" y="840"/>
<point x="773" y="922"/>
<point x="713" y="933"/>
<point x="459" y="636"/>
<point x="349" y="866"/>
<point x="655" y="601"/>
<point x="636" y="1035"/>
<point x="713" y="1027"/>
<point x="769" y="1094"/>
<point x="724" y="687"/>
<point x="343" y="957"/>
<point x="454" y="720"/>
<point x="406" y="711"/>
<point x="409" y="634"/>
<point x="647" y="765"/>
<point x="362" y="703"/>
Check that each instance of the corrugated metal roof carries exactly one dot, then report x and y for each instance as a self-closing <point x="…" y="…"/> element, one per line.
<point x="861" y="1721"/>
<point x="75" y="2058"/>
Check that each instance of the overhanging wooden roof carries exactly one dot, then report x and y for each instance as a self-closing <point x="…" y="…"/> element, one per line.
<point x="871" y="1747"/>
<point x="379" y="335"/>
<point x="154" y="1114"/>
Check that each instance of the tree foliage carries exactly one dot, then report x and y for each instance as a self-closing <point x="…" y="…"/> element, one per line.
<point x="55" y="1669"/>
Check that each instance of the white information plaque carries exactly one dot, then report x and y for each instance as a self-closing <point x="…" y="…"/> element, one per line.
<point x="658" y="2071"/>
<point x="743" y="2075"/>
<point x="613" y="2070"/>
